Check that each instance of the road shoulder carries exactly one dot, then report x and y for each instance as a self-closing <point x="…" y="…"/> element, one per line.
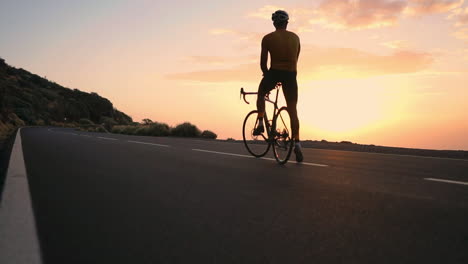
<point x="18" y="234"/>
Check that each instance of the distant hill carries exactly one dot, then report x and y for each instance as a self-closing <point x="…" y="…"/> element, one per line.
<point x="349" y="146"/>
<point x="28" y="99"/>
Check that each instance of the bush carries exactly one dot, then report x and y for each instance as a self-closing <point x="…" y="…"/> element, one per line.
<point x="147" y="121"/>
<point x="108" y="122"/>
<point x="100" y="129"/>
<point x="129" y="130"/>
<point x="118" y="129"/>
<point x="158" y="130"/>
<point x="5" y="130"/>
<point x="85" y="122"/>
<point x="15" y="120"/>
<point x="185" y="130"/>
<point x="209" y="134"/>
<point x="40" y="122"/>
<point x="141" y="131"/>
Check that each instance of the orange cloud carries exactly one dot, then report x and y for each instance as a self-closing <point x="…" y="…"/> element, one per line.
<point x="299" y="17"/>
<point x="426" y="7"/>
<point x="461" y="16"/>
<point x="396" y="44"/>
<point x="265" y="11"/>
<point x="352" y="14"/>
<point x="218" y="60"/>
<point x="249" y="36"/>
<point x="356" y="63"/>
<point x="323" y="63"/>
<point x="245" y="72"/>
<point x="461" y="34"/>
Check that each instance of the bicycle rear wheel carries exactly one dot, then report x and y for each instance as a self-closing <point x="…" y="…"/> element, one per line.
<point x="258" y="146"/>
<point x="282" y="136"/>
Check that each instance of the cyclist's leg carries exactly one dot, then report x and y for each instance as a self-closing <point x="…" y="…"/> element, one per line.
<point x="290" y="94"/>
<point x="266" y="85"/>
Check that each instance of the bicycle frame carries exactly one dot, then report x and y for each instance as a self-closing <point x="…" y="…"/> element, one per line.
<point x="269" y="128"/>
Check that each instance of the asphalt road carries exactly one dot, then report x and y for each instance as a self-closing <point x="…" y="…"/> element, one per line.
<point x="105" y="198"/>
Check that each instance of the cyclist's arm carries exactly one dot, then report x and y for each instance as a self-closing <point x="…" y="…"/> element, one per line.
<point x="264" y="57"/>
<point x="299" y="50"/>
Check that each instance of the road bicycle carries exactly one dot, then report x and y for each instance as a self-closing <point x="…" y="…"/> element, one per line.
<point x="277" y="130"/>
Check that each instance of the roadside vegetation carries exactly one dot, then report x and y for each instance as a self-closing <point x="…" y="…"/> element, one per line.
<point x="27" y="99"/>
<point x="157" y="129"/>
<point x="31" y="100"/>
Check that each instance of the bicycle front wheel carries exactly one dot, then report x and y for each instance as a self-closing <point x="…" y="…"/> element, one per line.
<point x="258" y="146"/>
<point x="282" y="136"/>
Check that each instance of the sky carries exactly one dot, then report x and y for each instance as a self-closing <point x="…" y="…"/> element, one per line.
<point x="383" y="72"/>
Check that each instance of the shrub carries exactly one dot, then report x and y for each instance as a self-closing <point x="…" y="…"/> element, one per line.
<point x="158" y="130"/>
<point x="231" y="139"/>
<point x="129" y="130"/>
<point x="86" y="122"/>
<point x="100" y="129"/>
<point x="147" y="121"/>
<point x="141" y="131"/>
<point x="15" y="120"/>
<point x="117" y="129"/>
<point x="108" y="122"/>
<point x="5" y="130"/>
<point x="209" y="134"/>
<point x="185" y="130"/>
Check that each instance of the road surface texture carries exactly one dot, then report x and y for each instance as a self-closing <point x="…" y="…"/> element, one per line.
<point x="105" y="198"/>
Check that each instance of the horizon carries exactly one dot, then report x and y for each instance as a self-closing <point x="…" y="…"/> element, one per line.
<point x="391" y="77"/>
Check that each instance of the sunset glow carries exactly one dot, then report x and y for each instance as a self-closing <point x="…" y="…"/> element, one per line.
<point x="384" y="72"/>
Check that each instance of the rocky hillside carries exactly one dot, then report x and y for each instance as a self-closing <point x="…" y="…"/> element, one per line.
<point x="28" y="99"/>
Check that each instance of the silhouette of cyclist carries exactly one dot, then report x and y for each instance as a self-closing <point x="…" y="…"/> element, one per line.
<point x="284" y="48"/>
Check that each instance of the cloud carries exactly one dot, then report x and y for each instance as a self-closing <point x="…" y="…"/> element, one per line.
<point x="461" y="34"/>
<point x="265" y="12"/>
<point x="244" y="72"/>
<point x="427" y="7"/>
<point x="323" y="63"/>
<point x="357" y="63"/>
<point x="358" y="14"/>
<point x="396" y="44"/>
<point x="222" y="31"/>
<point x="460" y="16"/>
<point x="299" y="17"/>
<point x="242" y="35"/>
<point x="218" y="60"/>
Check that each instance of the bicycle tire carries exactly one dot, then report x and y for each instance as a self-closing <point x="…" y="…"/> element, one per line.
<point x="282" y="140"/>
<point x="258" y="146"/>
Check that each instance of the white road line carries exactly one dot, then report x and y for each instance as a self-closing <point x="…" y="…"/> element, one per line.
<point x="18" y="232"/>
<point x="106" y="138"/>
<point x="146" y="143"/>
<point x="248" y="156"/>
<point x="446" y="181"/>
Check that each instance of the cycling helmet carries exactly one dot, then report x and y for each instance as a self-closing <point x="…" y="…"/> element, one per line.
<point x="280" y="16"/>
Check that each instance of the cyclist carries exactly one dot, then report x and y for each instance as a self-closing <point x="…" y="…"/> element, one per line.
<point x="284" y="48"/>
